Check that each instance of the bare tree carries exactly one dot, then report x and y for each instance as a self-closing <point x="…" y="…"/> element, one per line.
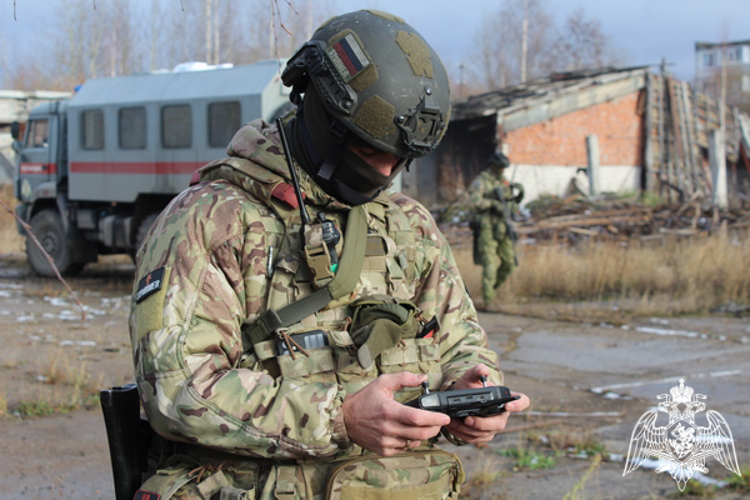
<point x="490" y="66"/>
<point x="582" y="44"/>
<point x="91" y="39"/>
<point x="502" y="54"/>
<point x="279" y="31"/>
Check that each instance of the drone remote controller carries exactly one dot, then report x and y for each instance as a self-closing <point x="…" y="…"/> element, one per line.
<point x="481" y="402"/>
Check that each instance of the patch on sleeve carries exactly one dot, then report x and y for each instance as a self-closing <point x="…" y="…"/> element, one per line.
<point x="149" y="284"/>
<point x="149" y="299"/>
<point x="146" y="495"/>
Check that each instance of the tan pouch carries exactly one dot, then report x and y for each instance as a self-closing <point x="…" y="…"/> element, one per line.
<point x="169" y="479"/>
<point x="315" y="366"/>
<point x="423" y="475"/>
<point x="414" y="356"/>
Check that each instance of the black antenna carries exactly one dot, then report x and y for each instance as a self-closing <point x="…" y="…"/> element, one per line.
<point x="302" y="209"/>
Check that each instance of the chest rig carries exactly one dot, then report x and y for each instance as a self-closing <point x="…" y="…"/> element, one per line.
<point x="377" y="272"/>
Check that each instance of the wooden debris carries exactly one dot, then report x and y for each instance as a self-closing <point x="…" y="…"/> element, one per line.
<point x="579" y="218"/>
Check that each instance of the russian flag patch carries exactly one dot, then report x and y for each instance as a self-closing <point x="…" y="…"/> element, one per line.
<point x="348" y="57"/>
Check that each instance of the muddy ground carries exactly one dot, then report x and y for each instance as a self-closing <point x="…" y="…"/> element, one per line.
<point x="589" y="384"/>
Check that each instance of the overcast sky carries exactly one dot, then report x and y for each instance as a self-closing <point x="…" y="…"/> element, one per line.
<point x="642" y="30"/>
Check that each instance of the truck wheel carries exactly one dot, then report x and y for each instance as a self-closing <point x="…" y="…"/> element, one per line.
<point x="143" y="228"/>
<point x="48" y="229"/>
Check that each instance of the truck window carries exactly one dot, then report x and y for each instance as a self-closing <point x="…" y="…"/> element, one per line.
<point x="176" y="126"/>
<point x="38" y="134"/>
<point x="92" y="129"/>
<point x="132" y="128"/>
<point x="223" y="122"/>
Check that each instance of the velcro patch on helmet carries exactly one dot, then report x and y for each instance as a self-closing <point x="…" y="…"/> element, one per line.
<point x="348" y="57"/>
<point x="375" y="116"/>
<point x="417" y="52"/>
<point x="385" y="15"/>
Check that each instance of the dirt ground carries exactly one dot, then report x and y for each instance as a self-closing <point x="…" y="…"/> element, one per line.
<point x="589" y="384"/>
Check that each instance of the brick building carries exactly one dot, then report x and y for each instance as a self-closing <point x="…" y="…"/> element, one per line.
<point x="652" y="133"/>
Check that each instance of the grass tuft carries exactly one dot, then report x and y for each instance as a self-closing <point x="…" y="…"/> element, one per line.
<point x="695" y="489"/>
<point x="575" y="493"/>
<point x="740" y="484"/>
<point x="486" y="475"/>
<point x="527" y="459"/>
<point x="61" y="385"/>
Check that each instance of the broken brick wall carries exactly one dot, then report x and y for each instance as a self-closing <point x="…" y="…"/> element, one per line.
<point x="561" y="141"/>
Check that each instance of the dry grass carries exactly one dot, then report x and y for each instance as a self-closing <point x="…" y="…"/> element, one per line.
<point x="489" y="472"/>
<point x="61" y="384"/>
<point x="676" y="276"/>
<point x="10" y="240"/>
<point x="575" y="441"/>
<point x="577" y="491"/>
<point x="61" y="370"/>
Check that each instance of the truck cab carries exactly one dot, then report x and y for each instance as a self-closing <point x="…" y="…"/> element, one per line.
<point x="40" y="154"/>
<point x="40" y="186"/>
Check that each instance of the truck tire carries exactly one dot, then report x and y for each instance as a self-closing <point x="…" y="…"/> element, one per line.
<point x="143" y="228"/>
<point x="48" y="228"/>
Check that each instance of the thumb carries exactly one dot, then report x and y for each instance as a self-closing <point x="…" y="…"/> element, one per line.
<point x="395" y="381"/>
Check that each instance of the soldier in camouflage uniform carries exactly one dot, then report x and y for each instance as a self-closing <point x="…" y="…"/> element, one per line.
<point x="494" y="243"/>
<point x="273" y="373"/>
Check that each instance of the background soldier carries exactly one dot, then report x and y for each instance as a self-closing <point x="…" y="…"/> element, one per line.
<point x="271" y="347"/>
<point x="494" y="200"/>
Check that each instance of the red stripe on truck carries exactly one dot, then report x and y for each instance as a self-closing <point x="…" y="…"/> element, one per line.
<point x="38" y="168"/>
<point x="141" y="168"/>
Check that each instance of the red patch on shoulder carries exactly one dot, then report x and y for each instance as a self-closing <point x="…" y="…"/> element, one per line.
<point x="146" y="495"/>
<point x="285" y="192"/>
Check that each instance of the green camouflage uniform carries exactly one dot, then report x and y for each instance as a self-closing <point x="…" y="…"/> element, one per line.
<point x="495" y="246"/>
<point x="251" y="420"/>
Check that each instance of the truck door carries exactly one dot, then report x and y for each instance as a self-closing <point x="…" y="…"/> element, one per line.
<point x="36" y="163"/>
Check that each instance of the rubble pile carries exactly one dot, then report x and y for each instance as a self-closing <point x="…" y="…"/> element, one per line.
<point x="579" y="218"/>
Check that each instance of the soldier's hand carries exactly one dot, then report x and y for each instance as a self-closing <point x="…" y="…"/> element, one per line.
<point x="377" y="422"/>
<point x="483" y="429"/>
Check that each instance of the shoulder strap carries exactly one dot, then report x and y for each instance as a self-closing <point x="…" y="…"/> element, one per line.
<point x="343" y="283"/>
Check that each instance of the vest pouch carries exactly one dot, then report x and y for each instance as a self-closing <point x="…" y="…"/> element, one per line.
<point x="423" y="475"/>
<point x="316" y="366"/>
<point x="415" y="356"/>
<point x="168" y="480"/>
<point x="350" y="373"/>
<point x="380" y="322"/>
<point x="183" y="477"/>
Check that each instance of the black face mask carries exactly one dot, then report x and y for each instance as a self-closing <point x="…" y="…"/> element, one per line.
<point x="320" y="145"/>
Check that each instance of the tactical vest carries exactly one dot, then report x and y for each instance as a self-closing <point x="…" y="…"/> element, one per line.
<point x="388" y="273"/>
<point x="387" y="282"/>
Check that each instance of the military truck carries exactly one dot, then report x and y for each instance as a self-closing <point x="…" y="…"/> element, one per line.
<point x="94" y="171"/>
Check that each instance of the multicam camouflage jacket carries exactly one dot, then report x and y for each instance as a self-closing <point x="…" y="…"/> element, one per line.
<point x="484" y="201"/>
<point x="227" y="249"/>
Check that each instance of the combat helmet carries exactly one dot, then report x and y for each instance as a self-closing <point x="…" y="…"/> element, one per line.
<point x="379" y="85"/>
<point x="498" y="160"/>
